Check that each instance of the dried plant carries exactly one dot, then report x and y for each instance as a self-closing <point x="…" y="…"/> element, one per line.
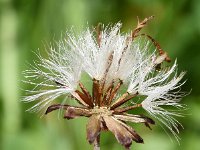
<point x="111" y="59"/>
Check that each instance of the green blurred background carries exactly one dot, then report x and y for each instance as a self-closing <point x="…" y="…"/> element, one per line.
<point x="26" y="25"/>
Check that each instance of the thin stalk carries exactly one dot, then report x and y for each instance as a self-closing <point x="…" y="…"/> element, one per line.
<point x="86" y="92"/>
<point x="114" y="91"/>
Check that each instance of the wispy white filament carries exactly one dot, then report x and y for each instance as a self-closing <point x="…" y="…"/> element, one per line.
<point x="58" y="75"/>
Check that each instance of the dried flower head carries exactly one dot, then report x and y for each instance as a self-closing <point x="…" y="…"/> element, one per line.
<point x="111" y="59"/>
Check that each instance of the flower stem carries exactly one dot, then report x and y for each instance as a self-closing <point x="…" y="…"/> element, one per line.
<point x="97" y="143"/>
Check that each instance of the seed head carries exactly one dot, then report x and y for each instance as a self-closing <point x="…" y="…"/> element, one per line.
<point x="111" y="59"/>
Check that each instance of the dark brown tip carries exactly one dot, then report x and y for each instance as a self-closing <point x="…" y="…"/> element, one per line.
<point x="168" y="59"/>
<point x="151" y="121"/>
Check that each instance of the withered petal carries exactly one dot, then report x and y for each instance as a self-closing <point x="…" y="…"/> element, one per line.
<point x="123" y="134"/>
<point x="136" y="137"/>
<point x="74" y="112"/>
<point x="93" y="128"/>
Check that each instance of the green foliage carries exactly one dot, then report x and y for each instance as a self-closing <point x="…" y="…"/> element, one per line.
<point x="27" y="25"/>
